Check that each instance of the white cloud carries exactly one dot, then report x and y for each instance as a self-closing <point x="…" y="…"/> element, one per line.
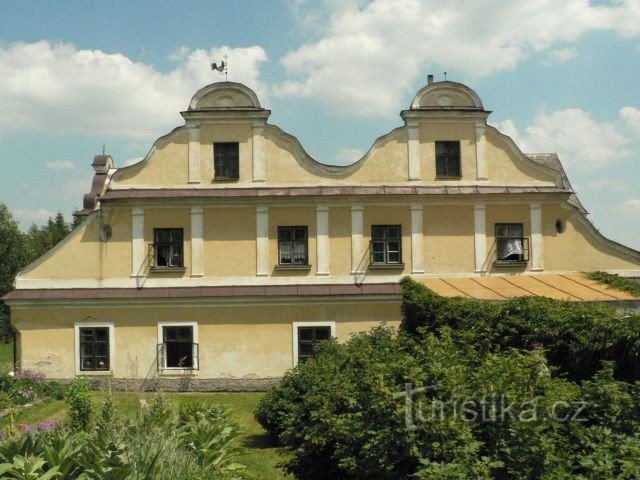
<point x="132" y="161"/>
<point x="631" y="117"/>
<point x="610" y="185"/>
<point x="631" y="206"/>
<point x="90" y="91"/>
<point x="580" y="141"/>
<point x="61" y="165"/>
<point x="561" y="55"/>
<point x="27" y="216"/>
<point x="347" y="156"/>
<point x="369" y="54"/>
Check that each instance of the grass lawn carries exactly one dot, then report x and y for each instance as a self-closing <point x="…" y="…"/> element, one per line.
<point x="259" y="456"/>
<point x="6" y="356"/>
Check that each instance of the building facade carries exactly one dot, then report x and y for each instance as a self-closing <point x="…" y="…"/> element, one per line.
<point x="222" y="257"/>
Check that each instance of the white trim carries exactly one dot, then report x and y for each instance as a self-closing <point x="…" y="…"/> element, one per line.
<point x="480" y="236"/>
<point x="112" y="348"/>
<point x="164" y="370"/>
<point x="417" y="239"/>
<point x="294" y="332"/>
<point x="357" y="237"/>
<point x="262" y="241"/>
<point x="322" y="240"/>
<point x="194" y="153"/>
<point x="259" y="174"/>
<point x="137" y="242"/>
<point x="197" y="242"/>
<point x="413" y="151"/>
<point x="537" y="255"/>
<point x="481" y="160"/>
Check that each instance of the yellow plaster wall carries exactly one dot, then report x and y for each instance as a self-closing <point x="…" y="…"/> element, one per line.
<point x="235" y="341"/>
<point x="83" y="255"/>
<point x="292" y="217"/>
<point x="504" y="165"/>
<point x="229" y="242"/>
<point x="167" y="165"/>
<point x="169" y="218"/>
<point x="448" y="239"/>
<point x="389" y="216"/>
<point x="578" y="248"/>
<point x="340" y="241"/>
<point x="430" y="132"/>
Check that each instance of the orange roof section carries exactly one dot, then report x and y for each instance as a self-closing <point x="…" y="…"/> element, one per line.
<point x="573" y="287"/>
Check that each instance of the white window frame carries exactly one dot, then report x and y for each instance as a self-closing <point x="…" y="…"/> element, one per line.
<point x="164" y="370"/>
<point x="295" y="325"/>
<point x="112" y="348"/>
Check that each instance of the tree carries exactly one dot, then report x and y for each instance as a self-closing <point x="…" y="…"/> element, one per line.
<point x="14" y="254"/>
<point x="42" y="239"/>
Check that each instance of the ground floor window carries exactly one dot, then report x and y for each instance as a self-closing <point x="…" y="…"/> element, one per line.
<point x="178" y="346"/>
<point x="94" y="347"/>
<point x="306" y="337"/>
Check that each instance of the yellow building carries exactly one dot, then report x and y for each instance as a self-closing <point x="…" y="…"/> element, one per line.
<point x="221" y="258"/>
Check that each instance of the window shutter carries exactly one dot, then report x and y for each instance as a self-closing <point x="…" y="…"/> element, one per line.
<point x="162" y="348"/>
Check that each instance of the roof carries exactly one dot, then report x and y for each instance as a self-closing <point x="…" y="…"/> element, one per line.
<point x="324" y="191"/>
<point x="573" y="287"/>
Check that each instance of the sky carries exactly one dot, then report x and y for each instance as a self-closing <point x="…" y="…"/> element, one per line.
<point x="559" y="76"/>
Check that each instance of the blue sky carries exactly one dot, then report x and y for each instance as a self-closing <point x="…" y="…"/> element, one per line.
<point x="559" y="76"/>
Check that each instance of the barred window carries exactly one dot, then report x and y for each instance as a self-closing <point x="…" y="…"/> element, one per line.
<point x="226" y="161"/>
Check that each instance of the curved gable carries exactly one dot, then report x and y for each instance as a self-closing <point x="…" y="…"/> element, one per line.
<point x="446" y="95"/>
<point x="224" y="95"/>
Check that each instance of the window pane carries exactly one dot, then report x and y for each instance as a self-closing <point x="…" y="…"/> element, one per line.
<point x="102" y="334"/>
<point x="305" y="350"/>
<point x="394" y="246"/>
<point x="305" y="333"/>
<point x="284" y="234"/>
<point x="377" y="233"/>
<point x="162" y="235"/>
<point x="393" y="232"/>
<point x="323" y="333"/>
<point x="394" y="257"/>
<point x="502" y="230"/>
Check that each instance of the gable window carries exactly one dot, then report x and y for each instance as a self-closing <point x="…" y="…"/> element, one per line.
<point x="293" y="246"/>
<point x="94" y="348"/>
<point x="168" y="247"/>
<point x="386" y="244"/>
<point x="307" y="335"/>
<point x="178" y="348"/>
<point x="448" y="159"/>
<point x="226" y="161"/>
<point x="511" y="246"/>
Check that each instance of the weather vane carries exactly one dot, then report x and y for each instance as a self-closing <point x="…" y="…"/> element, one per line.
<point x="222" y="68"/>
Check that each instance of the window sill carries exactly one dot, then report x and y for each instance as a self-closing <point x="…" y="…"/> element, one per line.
<point x="386" y="266"/>
<point x="447" y="177"/>
<point x="293" y="267"/>
<point x="94" y="373"/>
<point x="503" y="263"/>
<point x="183" y="372"/>
<point x="168" y="269"/>
<point x="225" y="179"/>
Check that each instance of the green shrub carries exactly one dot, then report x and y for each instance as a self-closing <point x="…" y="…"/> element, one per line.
<point x="195" y="444"/>
<point x="79" y="404"/>
<point x="343" y="414"/>
<point x="616" y="281"/>
<point x="576" y="337"/>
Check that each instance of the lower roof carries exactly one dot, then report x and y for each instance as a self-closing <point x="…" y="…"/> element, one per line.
<point x="572" y="287"/>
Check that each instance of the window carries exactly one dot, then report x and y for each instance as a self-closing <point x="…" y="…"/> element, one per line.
<point x="306" y="336"/>
<point x="94" y="348"/>
<point x="168" y="247"/>
<point x="511" y="246"/>
<point x="178" y="348"/>
<point x="226" y="161"/>
<point x="448" y="159"/>
<point x="293" y="246"/>
<point x="386" y="244"/>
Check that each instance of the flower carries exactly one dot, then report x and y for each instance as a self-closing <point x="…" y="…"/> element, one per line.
<point x="143" y="403"/>
<point x="25" y="427"/>
<point x="46" y="426"/>
<point x="12" y="374"/>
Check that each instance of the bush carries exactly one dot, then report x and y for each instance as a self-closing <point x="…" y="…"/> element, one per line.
<point x="434" y="403"/>
<point x="79" y="404"/>
<point x="159" y="443"/>
<point x="576" y="337"/>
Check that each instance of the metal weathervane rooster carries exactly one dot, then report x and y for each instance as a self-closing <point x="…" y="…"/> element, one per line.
<point x="222" y="68"/>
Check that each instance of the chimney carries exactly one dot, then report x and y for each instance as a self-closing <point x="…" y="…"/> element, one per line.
<point x="429" y="79"/>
